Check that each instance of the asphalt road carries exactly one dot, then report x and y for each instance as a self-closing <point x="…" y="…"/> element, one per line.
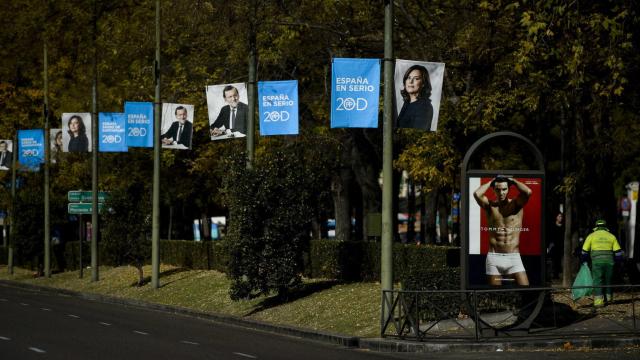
<point x="35" y="325"/>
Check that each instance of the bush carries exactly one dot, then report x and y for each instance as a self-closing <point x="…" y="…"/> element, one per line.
<point x="126" y="228"/>
<point x="269" y="224"/>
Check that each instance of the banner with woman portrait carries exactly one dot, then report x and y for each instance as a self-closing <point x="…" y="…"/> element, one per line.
<point x="55" y="144"/>
<point x="418" y="90"/>
<point x="76" y="132"/>
<point x="228" y="109"/>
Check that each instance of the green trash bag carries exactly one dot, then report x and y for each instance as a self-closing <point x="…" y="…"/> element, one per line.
<point x="582" y="279"/>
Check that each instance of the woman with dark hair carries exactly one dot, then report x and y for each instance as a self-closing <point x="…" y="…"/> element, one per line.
<point x="417" y="111"/>
<point x="78" y="133"/>
<point x="56" y="146"/>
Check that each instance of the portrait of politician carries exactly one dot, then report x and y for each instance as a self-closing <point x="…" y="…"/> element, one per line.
<point x="180" y="131"/>
<point x="5" y="156"/>
<point x="78" y="141"/>
<point x="233" y="116"/>
<point x="417" y="111"/>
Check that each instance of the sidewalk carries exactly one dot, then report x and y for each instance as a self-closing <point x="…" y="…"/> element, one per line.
<point x="564" y="340"/>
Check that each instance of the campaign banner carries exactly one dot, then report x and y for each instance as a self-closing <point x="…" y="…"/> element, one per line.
<point x="139" y="129"/>
<point x="228" y="110"/>
<point x="177" y="126"/>
<point x="56" y="144"/>
<point x="76" y="132"/>
<point x="111" y="130"/>
<point x="31" y="148"/>
<point x="278" y="106"/>
<point x="355" y="93"/>
<point x="418" y="91"/>
<point x="6" y="154"/>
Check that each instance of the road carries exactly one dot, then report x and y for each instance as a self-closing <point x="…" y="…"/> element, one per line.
<point x="35" y="325"/>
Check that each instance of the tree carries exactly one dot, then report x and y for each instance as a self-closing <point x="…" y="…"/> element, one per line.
<point x="270" y="217"/>
<point x="126" y="227"/>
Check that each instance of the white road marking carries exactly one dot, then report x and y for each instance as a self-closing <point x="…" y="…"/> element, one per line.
<point x="104" y="323"/>
<point x="245" y="355"/>
<point x="45" y="309"/>
<point x="4" y="300"/>
<point x="37" y="350"/>
<point x="140" y="332"/>
<point x="4" y="338"/>
<point x="73" y="316"/>
<point x="24" y="304"/>
<point x="189" y="342"/>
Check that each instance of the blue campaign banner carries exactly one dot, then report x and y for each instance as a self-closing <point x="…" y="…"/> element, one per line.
<point x="278" y="107"/>
<point x="139" y="128"/>
<point x="355" y="93"/>
<point x="112" y="127"/>
<point x="31" y="148"/>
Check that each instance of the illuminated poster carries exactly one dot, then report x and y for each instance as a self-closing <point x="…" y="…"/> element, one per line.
<point x="505" y="231"/>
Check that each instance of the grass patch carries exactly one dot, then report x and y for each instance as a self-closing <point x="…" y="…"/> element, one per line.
<point x="351" y="309"/>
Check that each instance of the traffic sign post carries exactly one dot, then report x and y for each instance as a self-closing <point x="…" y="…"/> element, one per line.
<point x="86" y="196"/>
<point x="83" y="208"/>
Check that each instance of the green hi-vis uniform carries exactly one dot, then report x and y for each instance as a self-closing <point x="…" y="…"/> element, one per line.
<point x="602" y="246"/>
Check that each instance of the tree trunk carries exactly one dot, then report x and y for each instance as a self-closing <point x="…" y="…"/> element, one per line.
<point x="341" y="202"/>
<point x="431" y="205"/>
<point x="140" y="274"/>
<point x="443" y="211"/>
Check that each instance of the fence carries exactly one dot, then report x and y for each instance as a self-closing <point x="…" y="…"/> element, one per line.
<point x="518" y="312"/>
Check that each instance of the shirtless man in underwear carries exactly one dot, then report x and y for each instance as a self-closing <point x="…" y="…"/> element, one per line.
<point x="505" y="222"/>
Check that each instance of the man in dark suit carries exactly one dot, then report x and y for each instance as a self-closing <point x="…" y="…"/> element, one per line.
<point x="233" y="116"/>
<point x="180" y="130"/>
<point x="5" y="155"/>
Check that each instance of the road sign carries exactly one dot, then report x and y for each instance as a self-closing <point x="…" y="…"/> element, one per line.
<point x="83" y="208"/>
<point x="86" y="196"/>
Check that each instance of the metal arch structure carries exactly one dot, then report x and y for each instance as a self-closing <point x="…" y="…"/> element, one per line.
<point x="466" y="172"/>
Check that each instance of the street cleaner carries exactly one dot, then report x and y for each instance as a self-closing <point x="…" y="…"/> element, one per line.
<point x="604" y="250"/>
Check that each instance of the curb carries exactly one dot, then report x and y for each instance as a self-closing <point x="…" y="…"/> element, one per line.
<point x="373" y="344"/>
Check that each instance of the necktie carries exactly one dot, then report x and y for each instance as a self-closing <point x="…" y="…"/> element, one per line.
<point x="179" y="133"/>
<point x="233" y="118"/>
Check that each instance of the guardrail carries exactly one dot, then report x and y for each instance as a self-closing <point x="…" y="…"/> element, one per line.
<point x="514" y="312"/>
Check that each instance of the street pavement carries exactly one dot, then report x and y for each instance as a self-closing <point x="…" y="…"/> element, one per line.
<point x="39" y="323"/>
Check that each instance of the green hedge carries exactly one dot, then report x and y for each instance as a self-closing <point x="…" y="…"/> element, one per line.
<point x="415" y="267"/>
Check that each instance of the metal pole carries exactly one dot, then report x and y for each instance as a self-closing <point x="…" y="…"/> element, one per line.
<point x="155" y="231"/>
<point x="80" y="237"/>
<point x="12" y="227"/>
<point x="94" y="155"/>
<point x="47" y="157"/>
<point x="252" y="84"/>
<point x="386" y="275"/>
